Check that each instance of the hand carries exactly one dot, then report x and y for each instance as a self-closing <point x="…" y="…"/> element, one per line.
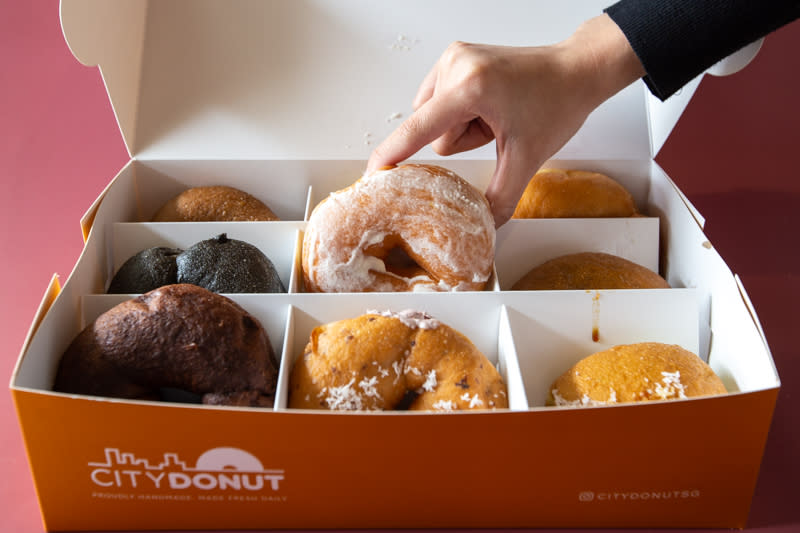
<point x="530" y="100"/>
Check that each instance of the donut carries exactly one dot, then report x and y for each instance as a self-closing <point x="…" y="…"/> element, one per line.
<point x="219" y="265"/>
<point x="228" y="265"/>
<point x="393" y="361"/>
<point x="213" y="203"/>
<point x="176" y="337"/>
<point x="409" y="228"/>
<point x="588" y="271"/>
<point x="146" y="270"/>
<point x="557" y="193"/>
<point x="640" y="372"/>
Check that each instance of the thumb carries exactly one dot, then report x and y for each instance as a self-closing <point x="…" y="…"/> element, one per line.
<point x="511" y="175"/>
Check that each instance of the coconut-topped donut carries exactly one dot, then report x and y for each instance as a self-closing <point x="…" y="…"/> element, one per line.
<point x="409" y="228"/>
<point x="387" y="360"/>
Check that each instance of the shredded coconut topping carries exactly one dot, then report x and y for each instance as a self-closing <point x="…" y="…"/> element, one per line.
<point x="474" y="401"/>
<point x="368" y="386"/>
<point x="414" y="370"/>
<point x="397" y="366"/>
<point x="430" y="381"/>
<point x="584" y="400"/>
<point x="672" y="386"/>
<point x="444" y="405"/>
<point x="344" y="398"/>
<point x="410" y="317"/>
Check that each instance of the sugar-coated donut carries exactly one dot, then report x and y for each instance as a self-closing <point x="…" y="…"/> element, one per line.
<point x="214" y="203"/>
<point x="387" y="361"/>
<point x="587" y="271"/>
<point x="634" y="373"/>
<point x="228" y="265"/>
<point x="413" y="227"/>
<point x="175" y="337"/>
<point x="557" y="193"/>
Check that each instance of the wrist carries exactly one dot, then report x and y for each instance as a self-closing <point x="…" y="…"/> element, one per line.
<point x="602" y="58"/>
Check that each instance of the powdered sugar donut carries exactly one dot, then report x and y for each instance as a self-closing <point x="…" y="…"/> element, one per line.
<point x="409" y="228"/>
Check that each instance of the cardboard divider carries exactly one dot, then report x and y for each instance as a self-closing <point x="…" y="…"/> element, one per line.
<point x="525" y="244"/>
<point x="553" y="330"/>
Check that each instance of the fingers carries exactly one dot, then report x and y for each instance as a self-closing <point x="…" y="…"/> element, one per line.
<point x="406" y="140"/>
<point x="426" y="88"/>
<point x="511" y="176"/>
<point x="430" y="121"/>
<point x="464" y="137"/>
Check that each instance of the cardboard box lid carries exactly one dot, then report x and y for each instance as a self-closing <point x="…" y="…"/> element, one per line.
<point x="317" y="79"/>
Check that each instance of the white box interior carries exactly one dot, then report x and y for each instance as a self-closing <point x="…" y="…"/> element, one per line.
<point x="538" y="334"/>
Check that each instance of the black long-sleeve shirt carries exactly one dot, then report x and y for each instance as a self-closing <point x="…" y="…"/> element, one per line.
<point x="678" y="39"/>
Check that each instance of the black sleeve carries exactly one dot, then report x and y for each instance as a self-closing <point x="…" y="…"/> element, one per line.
<point x="678" y="39"/>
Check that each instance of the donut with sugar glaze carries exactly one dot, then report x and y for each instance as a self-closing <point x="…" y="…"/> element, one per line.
<point x="409" y="228"/>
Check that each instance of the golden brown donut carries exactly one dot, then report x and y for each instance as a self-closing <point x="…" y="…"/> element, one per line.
<point x="557" y="193"/>
<point x="639" y="372"/>
<point x="587" y="271"/>
<point x="393" y="361"/>
<point x="213" y="203"/>
<point x="412" y="227"/>
<point x="175" y="337"/>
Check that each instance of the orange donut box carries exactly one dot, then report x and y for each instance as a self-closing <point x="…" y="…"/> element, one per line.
<point x="207" y="99"/>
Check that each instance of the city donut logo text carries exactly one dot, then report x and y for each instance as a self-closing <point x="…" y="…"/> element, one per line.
<point x="218" y="469"/>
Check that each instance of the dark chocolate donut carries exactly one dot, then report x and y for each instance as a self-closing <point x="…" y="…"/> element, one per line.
<point x="176" y="337"/>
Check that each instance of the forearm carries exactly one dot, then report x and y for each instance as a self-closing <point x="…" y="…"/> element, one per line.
<point x="603" y="57"/>
<point x="676" y="40"/>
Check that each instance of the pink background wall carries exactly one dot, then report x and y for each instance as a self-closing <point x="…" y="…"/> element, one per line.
<point x="734" y="153"/>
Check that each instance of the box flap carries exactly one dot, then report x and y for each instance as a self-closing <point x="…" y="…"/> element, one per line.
<point x="662" y="116"/>
<point x="50" y="295"/>
<point x="111" y="36"/>
<point x="319" y="78"/>
<point x="306" y="79"/>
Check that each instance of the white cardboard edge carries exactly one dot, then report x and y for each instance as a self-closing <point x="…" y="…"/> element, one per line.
<point x="38" y="317"/>
<point x="751" y="309"/>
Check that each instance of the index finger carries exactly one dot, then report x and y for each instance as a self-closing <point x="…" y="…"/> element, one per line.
<point x="429" y="122"/>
